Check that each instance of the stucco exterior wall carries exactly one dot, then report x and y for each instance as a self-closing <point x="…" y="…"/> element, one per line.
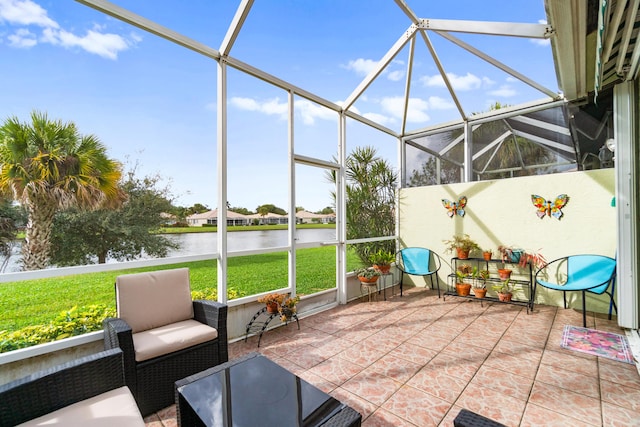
<point x="500" y="212"/>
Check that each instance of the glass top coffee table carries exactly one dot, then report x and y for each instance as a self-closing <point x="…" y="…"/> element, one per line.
<point x="254" y="391"/>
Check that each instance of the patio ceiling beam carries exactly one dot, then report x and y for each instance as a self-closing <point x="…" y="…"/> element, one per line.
<point x="544" y="141"/>
<point x="499" y="64"/>
<point x="371" y="123"/>
<point x="629" y="25"/>
<point x="512" y="29"/>
<point x="382" y="64"/>
<point x="492" y="144"/>
<point x="452" y="144"/>
<point x="150" y="26"/>
<point x="236" y="25"/>
<point x="269" y="78"/>
<point x="407" y="11"/>
<point x="407" y="87"/>
<point x="443" y="73"/>
<point x="543" y="125"/>
<point x="612" y="31"/>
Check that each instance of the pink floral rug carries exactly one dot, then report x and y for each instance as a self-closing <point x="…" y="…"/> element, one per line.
<point x="598" y="343"/>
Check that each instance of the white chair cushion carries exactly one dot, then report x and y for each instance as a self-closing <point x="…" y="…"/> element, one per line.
<point x="169" y="338"/>
<point x="114" y="408"/>
<point x="157" y="298"/>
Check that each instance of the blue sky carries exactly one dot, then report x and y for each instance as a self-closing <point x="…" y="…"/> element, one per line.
<point x="153" y="102"/>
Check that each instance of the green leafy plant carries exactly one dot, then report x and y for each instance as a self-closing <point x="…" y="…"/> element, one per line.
<point x="67" y="324"/>
<point x="367" y="273"/>
<point x="480" y="278"/>
<point x="461" y="242"/>
<point x="504" y="287"/>
<point x="212" y="294"/>
<point x="382" y="257"/>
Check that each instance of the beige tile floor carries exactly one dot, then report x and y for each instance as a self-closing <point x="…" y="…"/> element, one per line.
<point x="417" y="360"/>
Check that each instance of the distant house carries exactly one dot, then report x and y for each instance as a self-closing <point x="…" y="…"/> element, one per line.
<point x="169" y="219"/>
<point x="305" y="217"/>
<point x="211" y="218"/>
<point x="270" y="219"/>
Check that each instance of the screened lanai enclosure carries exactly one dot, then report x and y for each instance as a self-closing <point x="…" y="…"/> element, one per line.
<point x="459" y="97"/>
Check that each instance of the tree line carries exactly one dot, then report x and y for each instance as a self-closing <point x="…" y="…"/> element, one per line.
<point x="75" y="204"/>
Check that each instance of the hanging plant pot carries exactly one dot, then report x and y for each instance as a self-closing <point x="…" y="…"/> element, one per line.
<point x="462" y="253"/>
<point x="463" y="289"/>
<point x="480" y="292"/>
<point x="504" y="273"/>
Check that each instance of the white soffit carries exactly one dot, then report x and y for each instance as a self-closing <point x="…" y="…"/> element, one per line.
<point x="568" y="44"/>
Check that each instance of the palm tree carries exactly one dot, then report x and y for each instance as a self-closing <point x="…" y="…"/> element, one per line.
<point x="370" y="194"/>
<point x="47" y="165"/>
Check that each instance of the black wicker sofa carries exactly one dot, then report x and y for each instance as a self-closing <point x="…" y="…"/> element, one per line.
<point x="86" y="391"/>
<point x="164" y="335"/>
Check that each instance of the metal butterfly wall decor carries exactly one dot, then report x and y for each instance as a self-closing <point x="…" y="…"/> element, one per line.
<point x="454" y="208"/>
<point x="547" y="208"/>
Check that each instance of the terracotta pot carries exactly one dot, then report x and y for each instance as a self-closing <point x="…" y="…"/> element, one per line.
<point x="463" y="289"/>
<point x="487" y="255"/>
<point x="373" y="279"/>
<point x="505" y="297"/>
<point x="383" y="269"/>
<point x="272" y="307"/>
<point x="462" y="254"/>
<point x="504" y="273"/>
<point x="480" y="292"/>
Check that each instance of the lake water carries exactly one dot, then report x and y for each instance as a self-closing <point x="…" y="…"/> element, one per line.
<point x="205" y="243"/>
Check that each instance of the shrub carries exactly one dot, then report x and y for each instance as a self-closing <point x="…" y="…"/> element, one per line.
<point x="212" y="294"/>
<point x="68" y="323"/>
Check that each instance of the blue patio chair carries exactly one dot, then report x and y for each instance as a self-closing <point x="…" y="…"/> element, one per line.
<point x="585" y="273"/>
<point x="418" y="262"/>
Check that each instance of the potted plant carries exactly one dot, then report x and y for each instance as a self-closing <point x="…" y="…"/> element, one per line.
<point x="272" y="301"/>
<point x="463" y="273"/>
<point x="480" y="283"/>
<point x="367" y="275"/>
<point x="382" y="260"/>
<point x="288" y="308"/>
<point x="504" y="290"/>
<point x="487" y="254"/>
<point x="462" y="245"/>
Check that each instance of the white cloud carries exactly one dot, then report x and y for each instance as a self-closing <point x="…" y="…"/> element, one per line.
<point x="395" y="75"/>
<point x="361" y="66"/>
<point x="466" y="82"/>
<point x="415" y="113"/>
<point x="22" y="38"/>
<point x="105" y="45"/>
<point x="438" y="103"/>
<point x="25" y="12"/>
<point x="308" y="110"/>
<point x="505" y="91"/>
<point x="380" y="118"/>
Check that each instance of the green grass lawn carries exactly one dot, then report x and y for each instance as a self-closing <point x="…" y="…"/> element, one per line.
<point x="33" y="302"/>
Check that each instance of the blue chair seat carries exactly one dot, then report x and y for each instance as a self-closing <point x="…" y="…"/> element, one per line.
<point x="584" y="273"/>
<point x="417" y="261"/>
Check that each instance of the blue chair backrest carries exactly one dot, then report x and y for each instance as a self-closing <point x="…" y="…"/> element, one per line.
<point x="416" y="260"/>
<point x="597" y="269"/>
